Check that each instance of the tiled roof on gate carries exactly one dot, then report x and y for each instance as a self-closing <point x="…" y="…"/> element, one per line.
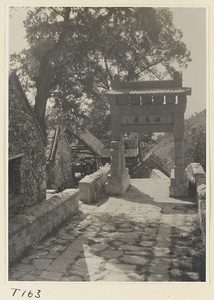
<point x="155" y="91"/>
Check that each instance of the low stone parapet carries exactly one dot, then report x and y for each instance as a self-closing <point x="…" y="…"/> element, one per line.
<point x="201" y="197"/>
<point x="91" y="186"/>
<point x="197" y="185"/>
<point x="39" y="220"/>
<point x="196" y="174"/>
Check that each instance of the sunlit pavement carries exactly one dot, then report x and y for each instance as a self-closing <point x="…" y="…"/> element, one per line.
<point x="141" y="236"/>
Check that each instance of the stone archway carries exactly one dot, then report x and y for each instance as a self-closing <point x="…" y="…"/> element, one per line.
<point x="147" y="106"/>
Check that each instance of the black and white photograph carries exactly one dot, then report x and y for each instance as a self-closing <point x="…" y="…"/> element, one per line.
<point x="107" y="145"/>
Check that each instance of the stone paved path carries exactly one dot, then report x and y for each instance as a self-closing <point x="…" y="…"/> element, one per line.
<point x="141" y="236"/>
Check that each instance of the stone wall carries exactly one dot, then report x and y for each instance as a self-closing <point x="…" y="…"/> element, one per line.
<point x="25" y="139"/>
<point x="197" y="187"/>
<point x="91" y="186"/>
<point x="35" y="222"/>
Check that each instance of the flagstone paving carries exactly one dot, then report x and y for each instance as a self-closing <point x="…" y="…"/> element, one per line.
<point x="141" y="236"/>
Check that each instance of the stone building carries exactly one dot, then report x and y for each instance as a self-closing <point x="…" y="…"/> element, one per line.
<point x="27" y="162"/>
<point x="59" y="160"/>
<point x="86" y="151"/>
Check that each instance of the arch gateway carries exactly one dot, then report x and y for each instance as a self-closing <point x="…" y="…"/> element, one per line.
<point x="147" y="106"/>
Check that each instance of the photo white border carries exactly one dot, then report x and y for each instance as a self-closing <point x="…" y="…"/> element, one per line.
<point x="87" y="290"/>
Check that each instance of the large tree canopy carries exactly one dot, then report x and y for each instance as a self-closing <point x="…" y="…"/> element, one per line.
<point x="74" y="52"/>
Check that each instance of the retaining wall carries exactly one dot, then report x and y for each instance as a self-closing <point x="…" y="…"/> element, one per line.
<point x="39" y="220"/>
<point x="91" y="186"/>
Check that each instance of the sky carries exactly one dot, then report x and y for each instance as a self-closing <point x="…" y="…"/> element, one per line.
<point x="192" y="22"/>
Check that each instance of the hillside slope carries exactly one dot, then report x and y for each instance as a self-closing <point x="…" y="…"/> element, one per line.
<point x="193" y="127"/>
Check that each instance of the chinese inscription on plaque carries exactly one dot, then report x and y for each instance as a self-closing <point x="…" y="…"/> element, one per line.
<point x="147" y="119"/>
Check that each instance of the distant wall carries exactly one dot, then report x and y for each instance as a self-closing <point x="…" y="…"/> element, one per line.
<point x="91" y="186"/>
<point x="197" y="187"/>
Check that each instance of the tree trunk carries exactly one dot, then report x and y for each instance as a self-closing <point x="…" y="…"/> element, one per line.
<point x="43" y="82"/>
<point x="41" y="99"/>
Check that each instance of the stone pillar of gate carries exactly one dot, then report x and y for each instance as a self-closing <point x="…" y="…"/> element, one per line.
<point x="178" y="182"/>
<point x="119" y="179"/>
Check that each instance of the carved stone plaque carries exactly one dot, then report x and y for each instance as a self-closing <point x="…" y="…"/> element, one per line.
<point x="148" y="120"/>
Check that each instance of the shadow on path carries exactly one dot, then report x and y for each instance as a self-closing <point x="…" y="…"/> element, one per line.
<point x="181" y="205"/>
<point x="121" y="238"/>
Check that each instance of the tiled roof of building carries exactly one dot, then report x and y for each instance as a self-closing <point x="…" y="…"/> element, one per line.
<point x="49" y="139"/>
<point x="52" y="142"/>
<point x="89" y="140"/>
<point x="159" y="162"/>
<point x="14" y="76"/>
